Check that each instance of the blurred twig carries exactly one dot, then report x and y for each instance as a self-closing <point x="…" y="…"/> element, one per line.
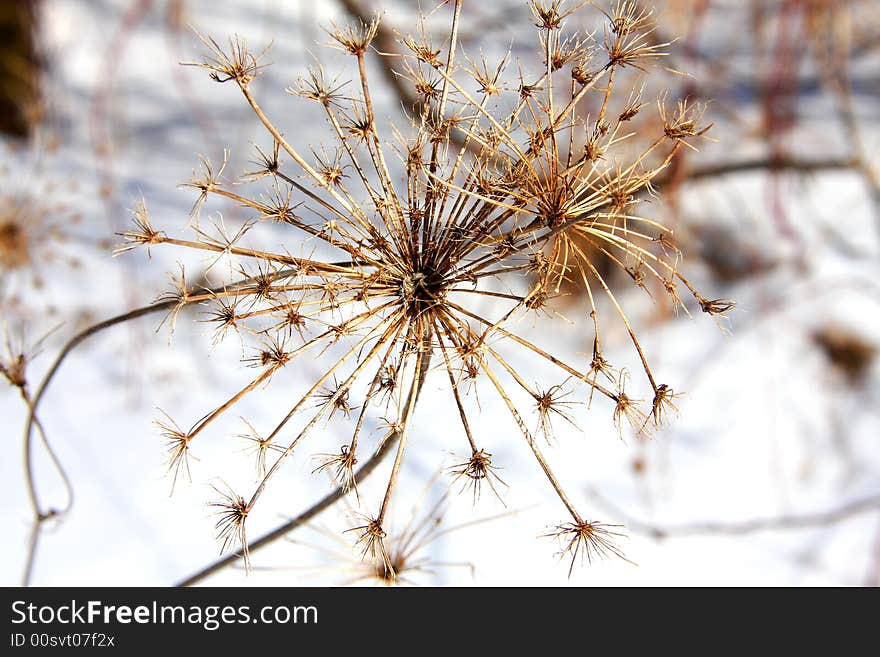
<point x="783" y="164"/>
<point x="708" y="528"/>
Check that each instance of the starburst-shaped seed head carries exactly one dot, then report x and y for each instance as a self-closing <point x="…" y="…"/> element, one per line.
<point x="381" y="270"/>
<point x="476" y="471"/>
<point x="232" y="512"/>
<point x="587" y="541"/>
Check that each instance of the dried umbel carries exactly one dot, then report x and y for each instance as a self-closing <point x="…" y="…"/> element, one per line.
<point x="32" y="233"/>
<point x="428" y="238"/>
<point x="37" y="228"/>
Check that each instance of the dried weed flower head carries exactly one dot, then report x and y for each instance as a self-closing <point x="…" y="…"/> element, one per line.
<point x="44" y="243"/>
<point x="14" y="363"/>
<point x="36" y="226"/>
<point x="476" y="471"/>
<point x="588" y="540"/>
<point x="231" y="512"/>
<point x="418" y="256"/>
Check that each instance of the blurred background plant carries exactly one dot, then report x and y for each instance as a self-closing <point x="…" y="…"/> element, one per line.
<point x="769" y="476"/>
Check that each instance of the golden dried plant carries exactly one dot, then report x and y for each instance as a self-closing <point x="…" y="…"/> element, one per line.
<point x="425" y="250"/>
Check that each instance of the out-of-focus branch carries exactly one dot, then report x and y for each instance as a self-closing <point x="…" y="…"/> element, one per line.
<point x="710" y="528"/>
<point x="793" y="165"/>
<point x="799" y="166"/>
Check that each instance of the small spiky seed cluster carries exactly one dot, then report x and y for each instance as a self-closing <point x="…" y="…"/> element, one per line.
<point x="500" y="184"/>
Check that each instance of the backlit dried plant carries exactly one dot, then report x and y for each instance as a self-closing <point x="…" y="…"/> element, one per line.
<point x="35" y="232"/>
<point x="417" y="255"/>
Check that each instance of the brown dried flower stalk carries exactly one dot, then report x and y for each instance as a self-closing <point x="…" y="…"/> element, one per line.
<point x="485" y="188"/>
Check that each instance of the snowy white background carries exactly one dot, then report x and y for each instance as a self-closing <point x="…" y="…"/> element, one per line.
<point x="768" y="428"/>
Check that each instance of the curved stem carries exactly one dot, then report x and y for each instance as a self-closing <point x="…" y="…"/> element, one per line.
<point x="40" y="516"/>
<point x="89" y="331"/>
